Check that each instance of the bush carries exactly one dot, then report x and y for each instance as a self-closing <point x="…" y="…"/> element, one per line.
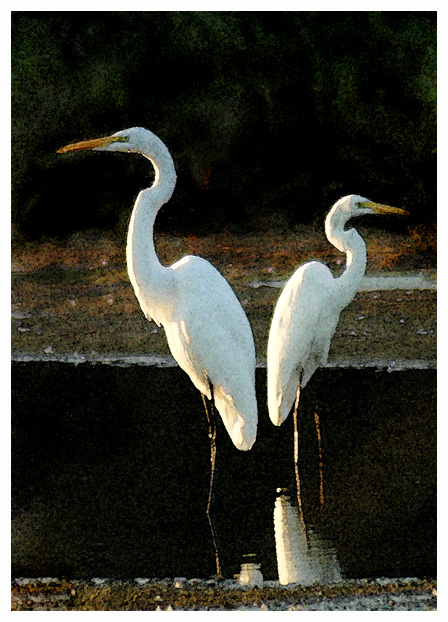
<point x="263" y="113"/>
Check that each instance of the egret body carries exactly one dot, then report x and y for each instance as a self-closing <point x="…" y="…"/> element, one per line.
<point x="207" y="329"/>
<point x="308" y="309"/>
<point x="306" y="316"/>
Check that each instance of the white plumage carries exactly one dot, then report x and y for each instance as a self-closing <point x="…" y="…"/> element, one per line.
<point x="308" y="309"/>
<point x="207" y="329"/>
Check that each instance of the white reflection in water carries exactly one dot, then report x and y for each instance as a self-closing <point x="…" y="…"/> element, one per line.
<point x="250" y="575"/>
<point x="296" y="562"/>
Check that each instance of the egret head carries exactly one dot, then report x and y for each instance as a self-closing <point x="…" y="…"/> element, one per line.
<point x="349" y="207"/>
<point x="354" y="205"/>
<point x="134" y="139"/>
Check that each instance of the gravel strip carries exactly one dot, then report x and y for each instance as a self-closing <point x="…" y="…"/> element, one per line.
<point x="181" y="594"/>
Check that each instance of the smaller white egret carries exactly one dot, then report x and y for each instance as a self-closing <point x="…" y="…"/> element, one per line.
<point x="308" y="310"/>
<point x="207" y="329"/>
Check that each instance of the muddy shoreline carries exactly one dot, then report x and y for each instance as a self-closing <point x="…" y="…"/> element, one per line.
<point x="74" y="297"/>
<point x="181" y="594"/>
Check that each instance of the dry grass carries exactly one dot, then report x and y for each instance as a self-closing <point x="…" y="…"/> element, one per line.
<point x="77" y="296"/>
<point x="257" y="254"/>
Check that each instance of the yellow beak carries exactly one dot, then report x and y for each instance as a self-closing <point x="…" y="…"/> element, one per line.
<point x="93" y="144"/>
<point x="384" y="209"/>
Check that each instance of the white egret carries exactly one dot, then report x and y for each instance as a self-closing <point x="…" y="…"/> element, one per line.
<point x="308" y="310"/>
<point x="207" y="329"/>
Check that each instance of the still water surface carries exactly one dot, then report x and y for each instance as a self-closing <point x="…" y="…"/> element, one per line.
<point x="110" y="475"/>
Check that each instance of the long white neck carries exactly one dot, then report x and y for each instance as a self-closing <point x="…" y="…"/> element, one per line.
<point x="350" y="242"/>
<point x="151" y="280"/>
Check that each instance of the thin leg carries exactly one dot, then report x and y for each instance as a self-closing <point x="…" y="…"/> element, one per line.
<point x="211" y="493"/>
<point x="321" y="464"/>
<point x="296" y="464"/>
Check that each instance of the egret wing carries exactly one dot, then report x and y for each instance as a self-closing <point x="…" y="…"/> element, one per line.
<point x="211" y="339"/>
<point x="297" y="336"/>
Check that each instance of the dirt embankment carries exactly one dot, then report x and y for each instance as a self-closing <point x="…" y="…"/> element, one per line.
<point x="77" y="298"/>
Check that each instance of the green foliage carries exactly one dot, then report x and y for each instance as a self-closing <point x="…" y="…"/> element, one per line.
<point x="264" y="113"/>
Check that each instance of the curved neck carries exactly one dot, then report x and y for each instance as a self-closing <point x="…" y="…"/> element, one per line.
<point x="151" y="281"/>
<point x="351" y="243"/>
<point x="140" y="250"/>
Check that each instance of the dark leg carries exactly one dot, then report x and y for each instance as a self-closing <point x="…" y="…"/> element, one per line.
<point x="210" y="414"/>
<point x="296" y="464"/>
<point x="321" y="464"/>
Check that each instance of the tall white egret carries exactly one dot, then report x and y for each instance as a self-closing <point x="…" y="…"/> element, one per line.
<point x="308" y="310"/>
<point x="207" y="329"/>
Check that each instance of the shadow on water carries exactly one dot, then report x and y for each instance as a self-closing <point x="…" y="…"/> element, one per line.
<point x="111" y="465"/>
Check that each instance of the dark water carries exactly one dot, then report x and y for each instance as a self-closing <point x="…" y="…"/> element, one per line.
<point x="110" y="473"/>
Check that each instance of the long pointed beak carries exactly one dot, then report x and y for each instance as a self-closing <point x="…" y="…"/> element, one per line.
<point x="87" y="145"/>
<point x="384" y="209"/>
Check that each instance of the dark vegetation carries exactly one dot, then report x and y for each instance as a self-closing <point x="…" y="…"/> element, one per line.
<point x="270" y="116"/>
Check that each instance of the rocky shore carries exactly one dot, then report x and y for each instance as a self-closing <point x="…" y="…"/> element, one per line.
<point x="181" y="594"/>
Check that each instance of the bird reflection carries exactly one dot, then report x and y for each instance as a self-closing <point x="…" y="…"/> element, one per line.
<point x="302" y="557"/>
